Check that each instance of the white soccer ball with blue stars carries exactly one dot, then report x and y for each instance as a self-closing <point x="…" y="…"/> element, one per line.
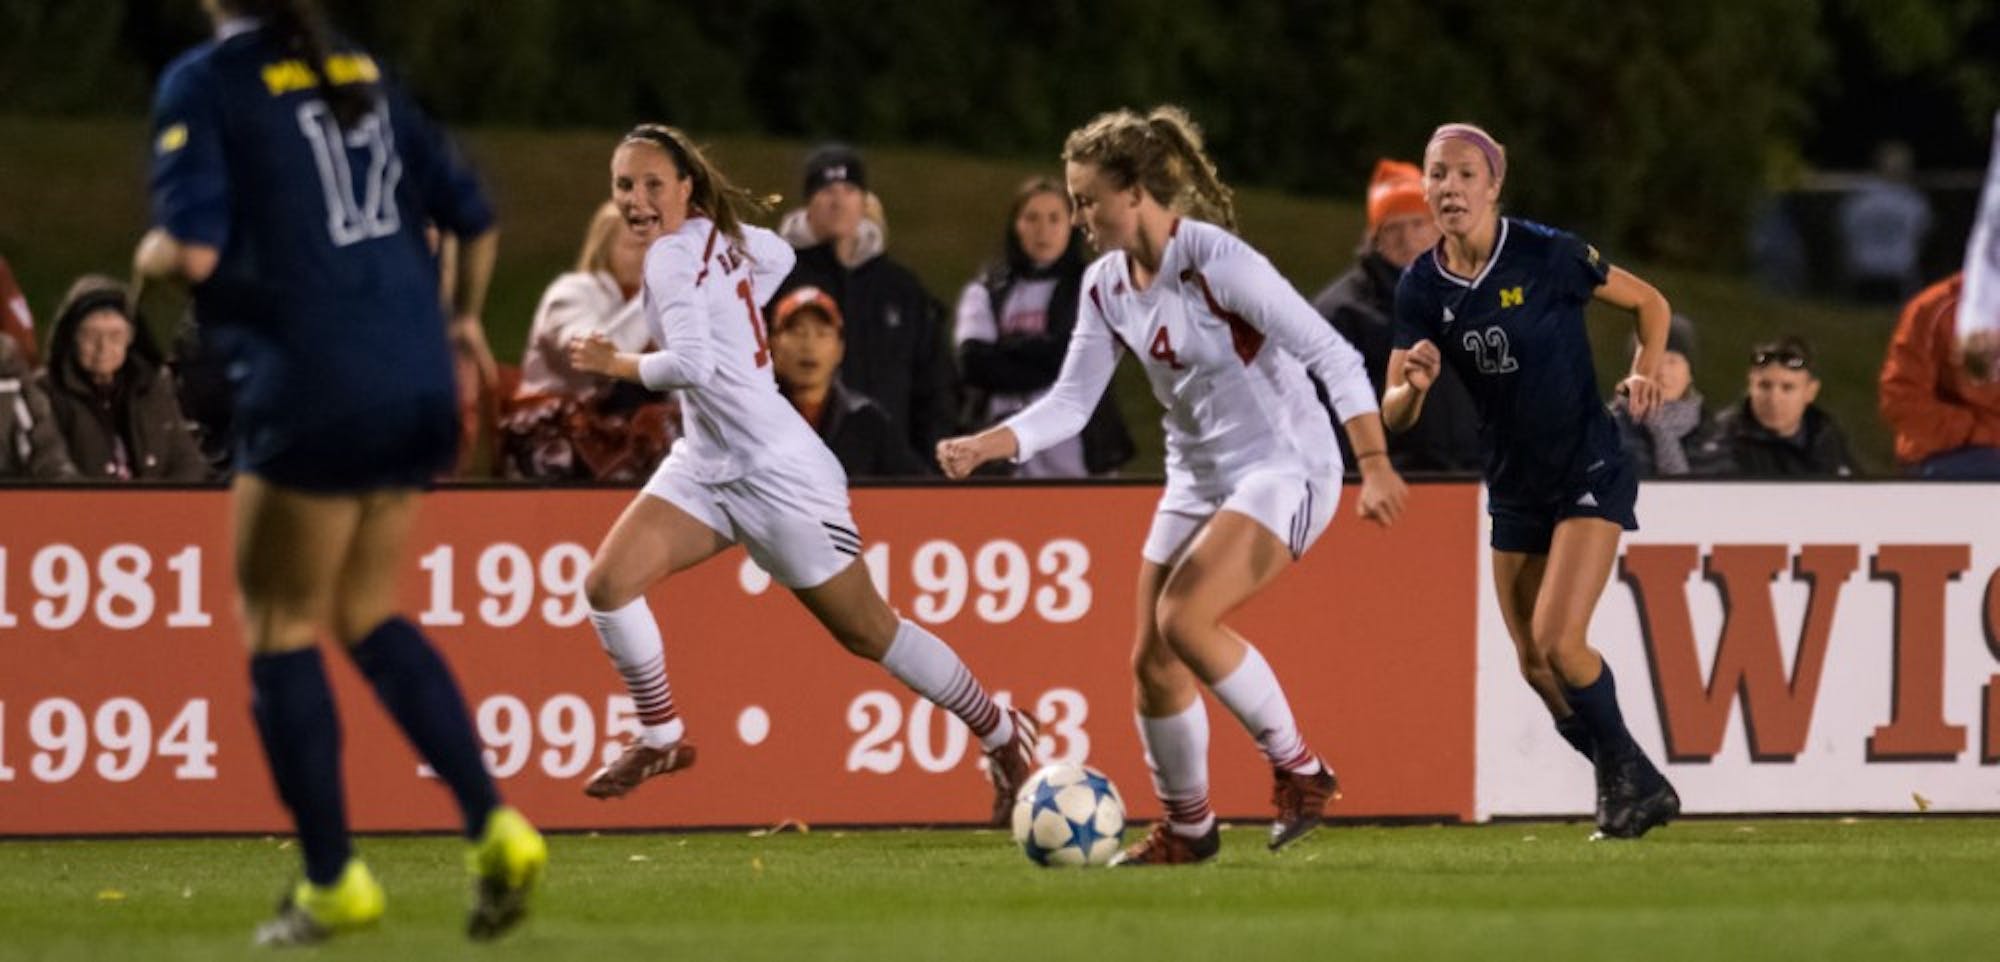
<point x="1069" y="815"/>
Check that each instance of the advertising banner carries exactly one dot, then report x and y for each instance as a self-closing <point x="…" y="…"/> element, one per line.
<point x="124" y="695"/>
<point x="1781" y="648"/>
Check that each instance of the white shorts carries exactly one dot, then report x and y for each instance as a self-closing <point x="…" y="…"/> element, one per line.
<point x="792" y="517"/>
<point x="1295" y="507"/>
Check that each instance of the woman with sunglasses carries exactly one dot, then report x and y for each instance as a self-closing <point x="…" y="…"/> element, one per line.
<point x="1777" y="431"/>
<point x="1502" y="301"/>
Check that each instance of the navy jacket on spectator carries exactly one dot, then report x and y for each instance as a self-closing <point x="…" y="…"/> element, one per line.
<point x="1819" y="450"/>
<point x="1360" y="305"/>
<point x="859" y="432"/>
<point x="895" y="343"/>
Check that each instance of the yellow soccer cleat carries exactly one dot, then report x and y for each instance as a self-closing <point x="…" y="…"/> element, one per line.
<point x="313" y="913"/>
<point x="506" y="864"/>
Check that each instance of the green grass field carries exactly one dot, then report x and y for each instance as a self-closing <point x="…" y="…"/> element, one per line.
<point x="1708" y="890"/>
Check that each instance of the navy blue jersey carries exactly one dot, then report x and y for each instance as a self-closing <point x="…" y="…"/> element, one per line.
<point x="1515" y="336"/>
<point x="325" y="301"/>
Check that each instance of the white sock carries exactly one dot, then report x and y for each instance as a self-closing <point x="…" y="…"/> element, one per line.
<point x="1177" y="753"/>
<point x="632" y="638"/>
<point x="924" y="662"/>
<point x="1253" y="695"/>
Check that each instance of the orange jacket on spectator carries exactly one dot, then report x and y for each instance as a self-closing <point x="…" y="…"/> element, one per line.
<point x="1926" y="398"/>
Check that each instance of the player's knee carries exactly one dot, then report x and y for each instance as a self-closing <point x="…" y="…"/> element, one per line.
<point x="1182" y="623"/>
<point x="269" y="631"/>
<point x="868" y="638"/>
<point x="1536" y="671"/>
<point x="352" y="623"/>
<point x="1550" y="636"/>
<point x="605" y="590"/>
<point x="1153" y="661"/>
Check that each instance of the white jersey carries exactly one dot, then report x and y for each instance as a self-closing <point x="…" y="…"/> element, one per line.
<point x="1226" y="344"/>
<point x="702" y="296"/>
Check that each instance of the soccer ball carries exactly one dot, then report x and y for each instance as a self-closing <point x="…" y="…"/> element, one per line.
<point x="1069" y="815"/>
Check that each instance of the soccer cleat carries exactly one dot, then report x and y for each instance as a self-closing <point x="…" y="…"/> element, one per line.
<point x="1010" y="765"/>
<point x="637" y="763"/>
<point x="1162" y="846"/>
<point x="1633" y="798"/>
<point x="311" y="914"/>
<point x="507" y="864"/>
<point x="1301" y="802"/>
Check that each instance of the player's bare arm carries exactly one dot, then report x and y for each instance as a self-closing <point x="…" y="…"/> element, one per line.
<point x="595" y="354"/>
<point x="1411" y="374"/>
<point x="1382" y="489"/>
<point x="961" y="456"/>
<point x="1625" y="290"/>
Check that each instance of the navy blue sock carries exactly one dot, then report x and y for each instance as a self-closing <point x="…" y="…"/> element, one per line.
<point x="419" y="691"/>
<point x="1576" y="731"/>
<point x="1597" y="704"/>
<point x="294" y="711"/>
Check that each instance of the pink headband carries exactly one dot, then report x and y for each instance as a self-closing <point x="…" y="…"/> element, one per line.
<point x="1496" y="157"/>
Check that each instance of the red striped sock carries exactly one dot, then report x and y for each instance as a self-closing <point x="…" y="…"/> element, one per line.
<point x="924" y="662"/>
<point x="632" y="638"/>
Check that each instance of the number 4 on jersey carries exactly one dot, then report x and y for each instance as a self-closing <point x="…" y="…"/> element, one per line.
<point x="1162" y="350"/>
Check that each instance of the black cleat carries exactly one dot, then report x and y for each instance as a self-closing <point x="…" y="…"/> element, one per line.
<point x="1633" y="798"/>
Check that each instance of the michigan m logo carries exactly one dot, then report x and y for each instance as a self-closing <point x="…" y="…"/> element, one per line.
<point x="1511" y="297"/>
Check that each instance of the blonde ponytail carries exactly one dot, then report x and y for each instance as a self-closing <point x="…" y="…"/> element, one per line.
<point x="1161" y="152"/>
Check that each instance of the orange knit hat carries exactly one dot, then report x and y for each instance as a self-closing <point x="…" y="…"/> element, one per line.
<point x="1396" y="189"/>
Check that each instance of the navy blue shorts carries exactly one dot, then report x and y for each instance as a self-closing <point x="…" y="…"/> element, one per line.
<point x="1608" y="490"/>
<point x="403" y="445"/>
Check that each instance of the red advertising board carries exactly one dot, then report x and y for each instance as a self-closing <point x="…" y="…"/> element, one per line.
<point x="124" y="696"/>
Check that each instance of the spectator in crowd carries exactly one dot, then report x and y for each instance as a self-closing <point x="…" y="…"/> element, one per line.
<point x="1360" y="305"/>
<point x="1777" y="249"/>
<point x="1777" y="431"/>
<point x="894" y="328"/>
<point x="564" y="424"/>
<point x="17" y="323"/>
<point x="1680" y="436"/>
<point x="111" y="396"/>
<point x="31" y="447"/>
<point x="806" y="351"/>
<point x="1883" y="222"/>
<point x="1947" y="424"/>
<point x="1013" y="327"/>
